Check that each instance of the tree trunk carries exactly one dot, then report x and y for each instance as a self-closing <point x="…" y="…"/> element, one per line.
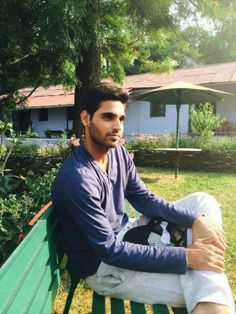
<point x="88" y="73"/>
<point x="88" y="67"/>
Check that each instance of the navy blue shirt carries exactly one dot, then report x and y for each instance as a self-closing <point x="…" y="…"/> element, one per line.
<point x="90" y="205"/>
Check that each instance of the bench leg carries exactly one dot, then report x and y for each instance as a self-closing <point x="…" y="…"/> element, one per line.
<point x="69" y="299"/>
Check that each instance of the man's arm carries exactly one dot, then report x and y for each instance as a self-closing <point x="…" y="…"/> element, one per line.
<point x="82" y="198"/>
<point x="207" y="251"/>
<point x="151" y="205"/>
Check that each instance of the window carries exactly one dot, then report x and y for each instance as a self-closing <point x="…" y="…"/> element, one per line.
<point x="43" y="114"/>
<point x="69" y="113"/>
<point x="157" y="110"/>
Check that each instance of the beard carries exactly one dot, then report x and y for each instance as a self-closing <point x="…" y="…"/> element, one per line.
<point x="104" y="140"/>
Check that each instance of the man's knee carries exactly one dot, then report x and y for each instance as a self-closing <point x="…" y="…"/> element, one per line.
<point x="203" y="196"/>
<point x="211" y="308"/>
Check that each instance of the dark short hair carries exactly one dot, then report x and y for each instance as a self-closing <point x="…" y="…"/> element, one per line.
<point x="94" y="95"/>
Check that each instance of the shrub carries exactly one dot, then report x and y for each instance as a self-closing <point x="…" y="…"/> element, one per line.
<point x="40" y="189"/>
<point x="203" y="121"/>
<point x="15" y="212"/>
<point x="147" y="142"/>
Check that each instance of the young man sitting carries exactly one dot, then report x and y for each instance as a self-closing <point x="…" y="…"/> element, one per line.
<point x="89" y="195"/>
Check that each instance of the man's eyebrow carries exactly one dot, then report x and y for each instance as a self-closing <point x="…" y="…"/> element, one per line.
<point x="111" y="114"/>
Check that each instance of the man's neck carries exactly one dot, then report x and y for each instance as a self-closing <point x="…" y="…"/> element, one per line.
<point x="99" y="154"/>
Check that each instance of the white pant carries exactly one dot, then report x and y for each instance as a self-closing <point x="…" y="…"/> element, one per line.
<point x="176" y="290"/>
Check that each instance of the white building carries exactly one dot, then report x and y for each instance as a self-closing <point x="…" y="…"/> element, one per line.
<point x="52" y="109"/>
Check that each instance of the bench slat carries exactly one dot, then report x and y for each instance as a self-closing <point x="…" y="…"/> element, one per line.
<point x="40" y="275"/>
<point x="178" y="310"/>
<point x="22" y="263"/>
<point x="138" y="308"/>
<point x="36" y="264"/>
<point x="98" y="304"/>
<point x="160" y="309"/>
<point x="44" y="304"/>
<point x="117" y="306"/>
<point x="30" y="243"/>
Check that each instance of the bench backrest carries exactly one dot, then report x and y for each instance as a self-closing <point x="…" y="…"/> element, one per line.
<point x="29" y="279"/>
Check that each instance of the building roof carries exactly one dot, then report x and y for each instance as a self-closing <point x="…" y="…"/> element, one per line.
<point x="200" y="75"/>
<point x="52" y="97"/>
<point x="55" y="96"/>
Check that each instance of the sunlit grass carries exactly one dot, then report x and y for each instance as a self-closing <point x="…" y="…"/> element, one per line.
<point x="163" y="183"/>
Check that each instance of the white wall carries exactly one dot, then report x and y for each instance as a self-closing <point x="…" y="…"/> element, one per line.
<point x="56" y="121"/>
<point x="138" y="119"/>
<point x="227" y="108"/>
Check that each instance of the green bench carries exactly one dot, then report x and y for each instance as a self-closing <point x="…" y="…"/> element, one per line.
<point x="30" y="278"/>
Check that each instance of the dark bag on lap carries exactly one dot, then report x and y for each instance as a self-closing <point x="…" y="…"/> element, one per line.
<point x="140" y="234"/>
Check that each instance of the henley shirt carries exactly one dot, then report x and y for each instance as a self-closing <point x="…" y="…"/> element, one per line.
<point x="90" y="206"/>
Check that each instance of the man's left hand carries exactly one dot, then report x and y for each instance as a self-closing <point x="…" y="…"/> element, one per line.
<point x="203" y="227"/>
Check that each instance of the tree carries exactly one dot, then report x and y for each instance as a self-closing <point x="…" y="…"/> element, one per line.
<point x="215" y="42"/>
<point x="77" y="42"/>
<point x="36" y="47"/>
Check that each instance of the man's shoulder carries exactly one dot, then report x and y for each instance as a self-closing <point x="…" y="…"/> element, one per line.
<point x="76" y="166"/>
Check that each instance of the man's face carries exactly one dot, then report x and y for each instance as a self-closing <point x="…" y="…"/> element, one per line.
<point x="106" y="126"/>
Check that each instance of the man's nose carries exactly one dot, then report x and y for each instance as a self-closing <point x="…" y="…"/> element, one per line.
<point x="117" y="125"/>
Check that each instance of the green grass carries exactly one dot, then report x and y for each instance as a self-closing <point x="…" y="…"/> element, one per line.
<point x="163" y="183"/>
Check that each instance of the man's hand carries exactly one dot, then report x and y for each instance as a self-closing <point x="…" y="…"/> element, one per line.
<point x="203" y="254"/>
<point x="203" y="227"/>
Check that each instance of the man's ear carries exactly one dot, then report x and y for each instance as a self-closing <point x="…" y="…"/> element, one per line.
<point x="85" y="118"/>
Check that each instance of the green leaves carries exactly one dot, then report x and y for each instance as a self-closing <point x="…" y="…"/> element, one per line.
<point x="9" y="183"/>
<point x="204" y="121"/>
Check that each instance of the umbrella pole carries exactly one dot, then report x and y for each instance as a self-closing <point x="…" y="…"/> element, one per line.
<point x="178" y="105"/>
<point x="177" y="125"/>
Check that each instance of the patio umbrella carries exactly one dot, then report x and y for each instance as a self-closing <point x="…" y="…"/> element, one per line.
<point x="181" y="93"/>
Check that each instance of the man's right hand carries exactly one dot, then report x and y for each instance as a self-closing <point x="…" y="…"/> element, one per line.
<point x="203" y="254"/>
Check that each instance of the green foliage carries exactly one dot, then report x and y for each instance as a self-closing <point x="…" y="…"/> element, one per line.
<point x="14" y="214"/>
<point x="40" y="189"/>
<point x="217" y="43"/>
<point x="31" y="149"/>
<point x="17" y="210"/>
<point x="60" y="42"/>
<point x="150" y="142"/>
<point x="203" y="121"/>
<point x="30" y="134"/>
<point x="8" y="182"/>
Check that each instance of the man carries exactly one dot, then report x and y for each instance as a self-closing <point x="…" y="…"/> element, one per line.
<point x="89" y="194"/>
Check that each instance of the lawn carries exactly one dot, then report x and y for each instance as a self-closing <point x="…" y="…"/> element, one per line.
<point x="163" y="183"/>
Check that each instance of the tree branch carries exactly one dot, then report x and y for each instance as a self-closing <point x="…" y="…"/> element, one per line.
<point x="20" y="59"/>
<point x="123" y="42"/>
<point x="27" y="96"/>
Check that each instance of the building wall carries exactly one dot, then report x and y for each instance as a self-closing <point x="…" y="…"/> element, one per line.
<point x="227" y="108"/>
<point x="56" y="121"/>
<point x="138" y="120"/>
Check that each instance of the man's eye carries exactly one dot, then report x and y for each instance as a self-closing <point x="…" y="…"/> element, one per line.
<point x="107" y="117"/>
